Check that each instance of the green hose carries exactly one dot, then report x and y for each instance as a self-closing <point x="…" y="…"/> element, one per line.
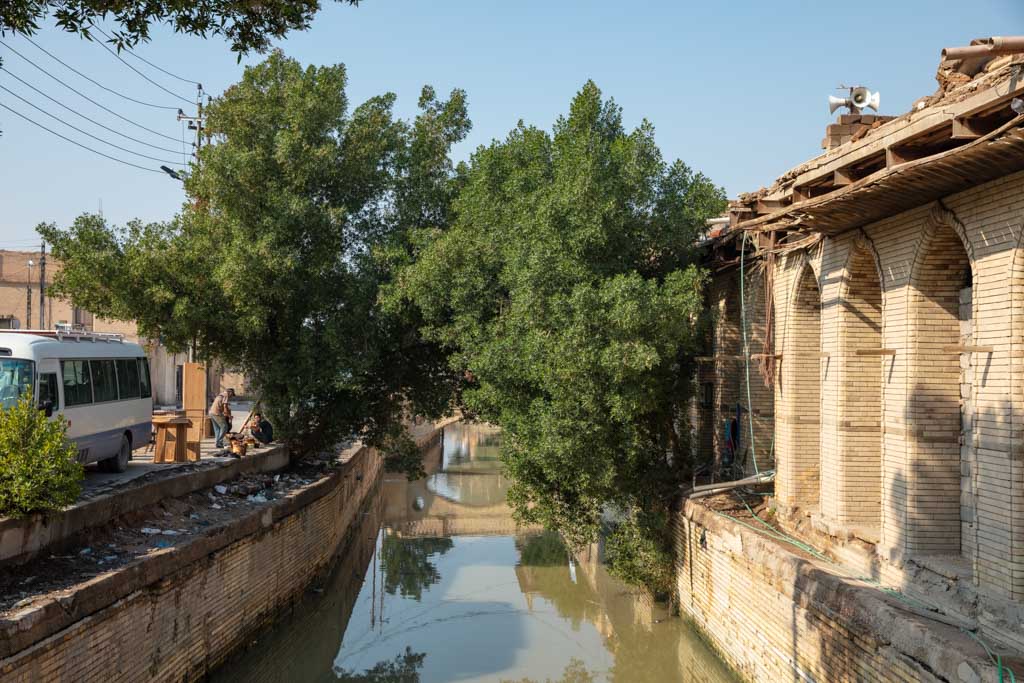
<point x="746" y="354"/>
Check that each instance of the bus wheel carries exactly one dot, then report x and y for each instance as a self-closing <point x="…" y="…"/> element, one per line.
<point x="118" y="463"/>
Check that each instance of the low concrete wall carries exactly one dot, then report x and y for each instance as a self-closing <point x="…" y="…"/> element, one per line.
<point x="774" y="615"/>
<point x="178" y="613"/>
<point x="23" y="538"/>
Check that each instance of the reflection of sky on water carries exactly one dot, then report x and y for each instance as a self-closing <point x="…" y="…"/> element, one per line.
<point x="431" y="607"/>
<point x="475" y="624"/>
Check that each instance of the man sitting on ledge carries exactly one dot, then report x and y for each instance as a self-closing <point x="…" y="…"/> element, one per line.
<point x="261" y="429"/>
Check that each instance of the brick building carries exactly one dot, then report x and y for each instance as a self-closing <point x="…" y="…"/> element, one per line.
<point x="892" y="270"/>
<point x="20" y="298"/>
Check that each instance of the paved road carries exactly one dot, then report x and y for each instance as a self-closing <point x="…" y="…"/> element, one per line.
<point x="142" y="460"/>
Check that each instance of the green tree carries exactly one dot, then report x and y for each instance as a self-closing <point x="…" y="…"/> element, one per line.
<point x="272" y="265"/>
<point x="566" y="294"/>
<point x="38" y="470"/>
<point x="247" y="25"/>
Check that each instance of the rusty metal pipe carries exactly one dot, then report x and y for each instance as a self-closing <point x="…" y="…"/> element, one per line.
<point x="986" y="47"/>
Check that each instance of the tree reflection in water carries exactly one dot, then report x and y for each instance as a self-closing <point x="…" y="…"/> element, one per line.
<point x="404" y="668"/>
<point x="406" y="564"/>
<point x="575" y="672"/>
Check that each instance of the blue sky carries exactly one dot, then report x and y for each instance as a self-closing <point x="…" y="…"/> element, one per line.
<point x="736" y="89"/>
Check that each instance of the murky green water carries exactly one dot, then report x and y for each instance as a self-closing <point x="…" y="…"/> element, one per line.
<point x="440" y="585"/>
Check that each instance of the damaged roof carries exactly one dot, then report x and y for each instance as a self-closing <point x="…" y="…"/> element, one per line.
<point x="964" y="134"/>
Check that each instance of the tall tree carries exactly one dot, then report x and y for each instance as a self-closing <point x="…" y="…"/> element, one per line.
<point x="246" y="25"/>
<point x="272" y="265"/>
<point x="566" y="295"/>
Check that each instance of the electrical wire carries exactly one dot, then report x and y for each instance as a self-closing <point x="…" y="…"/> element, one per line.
<point x="75" y="142"/>
<point x="78" y="113"/>
<point x="86" y="97"/>
<point x="86" y="133"/>
<point x="144" y="76"/>
<point x="143" y="59"/>
<point x="97" y="83"/>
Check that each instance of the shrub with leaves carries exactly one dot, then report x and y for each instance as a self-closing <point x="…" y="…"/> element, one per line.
<point x="38" y="470"/>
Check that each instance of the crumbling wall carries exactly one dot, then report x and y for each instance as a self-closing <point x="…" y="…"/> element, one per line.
<point x="775" y="615"/>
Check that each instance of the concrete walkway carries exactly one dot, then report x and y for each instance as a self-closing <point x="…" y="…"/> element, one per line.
<point x="142" y="460"/>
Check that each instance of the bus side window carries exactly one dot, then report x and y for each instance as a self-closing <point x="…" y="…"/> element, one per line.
<point x="128" y="378"/>
<point x="77" y="382"/>
<point x="144" y="377"/>
<point x="104" y="380"/>
<point x="48" y="390"/>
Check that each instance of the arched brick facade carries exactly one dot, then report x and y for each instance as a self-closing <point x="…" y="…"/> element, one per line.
<point x="937" y="422"/>
<point x="939" y="352"/>
<point x="851" y="472"/>
<point x="798" y="389"/>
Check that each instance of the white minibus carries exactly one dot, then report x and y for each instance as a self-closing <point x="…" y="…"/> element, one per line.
<point x="98" y="381"/>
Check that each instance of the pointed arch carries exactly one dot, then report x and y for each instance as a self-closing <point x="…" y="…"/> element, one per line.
<point x="854" y="495"/>
<point x="939" y="441"/>
<point x="798" y="408"/>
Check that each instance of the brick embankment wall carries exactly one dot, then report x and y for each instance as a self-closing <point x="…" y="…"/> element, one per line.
<point x="776" y="616"/>
<point x="187" y="616"/>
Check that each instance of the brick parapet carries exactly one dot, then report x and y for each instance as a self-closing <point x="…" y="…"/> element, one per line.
<point x="176" y="614"/>
<point x="775" y="615"/>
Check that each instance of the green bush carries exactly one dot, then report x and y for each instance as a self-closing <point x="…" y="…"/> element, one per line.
<point x="639" y="551"/>
<point x="38" y="470"/>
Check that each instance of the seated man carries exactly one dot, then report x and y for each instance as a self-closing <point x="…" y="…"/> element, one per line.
<point x="261" y="429"/>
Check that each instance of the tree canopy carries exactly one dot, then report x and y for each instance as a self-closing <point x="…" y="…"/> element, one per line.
<point x="271" y="267"/>
<point x="246" y="25"/>
<point x="565" y="293"/>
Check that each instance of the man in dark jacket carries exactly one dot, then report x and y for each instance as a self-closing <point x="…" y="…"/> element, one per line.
<point x="261" y="429"/>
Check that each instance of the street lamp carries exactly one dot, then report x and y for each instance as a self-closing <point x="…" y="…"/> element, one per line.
<point x="28" y="295"/>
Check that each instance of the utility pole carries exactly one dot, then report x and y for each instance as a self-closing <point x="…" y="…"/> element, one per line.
<point x="28" y="296"/>
<point x="42" y="285"/>
<point x="195" y="122"/>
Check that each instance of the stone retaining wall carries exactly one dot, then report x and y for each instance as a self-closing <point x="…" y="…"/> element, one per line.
<point x="776" y="616"/>
<point x="180" y="612"/>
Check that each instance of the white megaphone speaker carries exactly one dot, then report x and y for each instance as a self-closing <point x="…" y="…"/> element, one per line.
<point x="862" y="98"/>
<point x="836" y="102"/>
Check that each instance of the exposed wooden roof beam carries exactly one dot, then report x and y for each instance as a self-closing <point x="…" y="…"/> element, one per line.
<point x="897" y="132"/>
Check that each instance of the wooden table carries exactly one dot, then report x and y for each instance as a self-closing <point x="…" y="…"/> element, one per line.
<point x="172" y="440"/>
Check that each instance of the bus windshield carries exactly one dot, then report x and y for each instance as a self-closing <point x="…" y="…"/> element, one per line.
<point x="16" y="377"/>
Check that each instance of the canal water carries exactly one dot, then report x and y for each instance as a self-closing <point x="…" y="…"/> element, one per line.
<point x="440" y="584"/>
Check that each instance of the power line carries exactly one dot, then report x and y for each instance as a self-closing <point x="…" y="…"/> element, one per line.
<point x="98" y="139"/>
<point x="147" y="79"/>
<point x="97" y="83"/>
<point x="74" y="142"/>
<point x="143" y="59"/>
<point x="86" y="97"/>
<point x="78" y="113"/>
